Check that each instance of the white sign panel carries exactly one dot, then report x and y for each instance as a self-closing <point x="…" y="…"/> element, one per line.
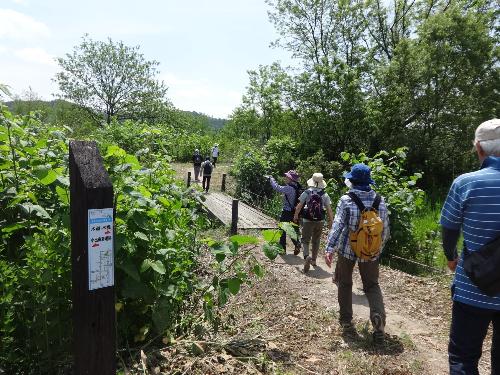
<point x="100" y="248"/>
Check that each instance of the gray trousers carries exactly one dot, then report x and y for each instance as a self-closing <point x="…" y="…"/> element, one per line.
<point x="311" y="232"/>
<point x="197" y="172"/>
<point x="369" y="276"/>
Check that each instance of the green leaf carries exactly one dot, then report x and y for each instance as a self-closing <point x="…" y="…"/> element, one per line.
<point x="271" y="235"/>
<point x="141" y="236"/>
<point x="114" y="150"/>
<point x="244" y="240"/>
<point x="130" y="269"/>
<point x="29" y="209"/>
<point x="12" y="227"/>
<point x="158" y="267"/>
<point x="258" y="270"/>
<point x="62" y="194"/>
<point x="272" y="250"/>
<point x="290" y="229"/>
<point x="234" y="285"/>
<point x="161" y="314"/>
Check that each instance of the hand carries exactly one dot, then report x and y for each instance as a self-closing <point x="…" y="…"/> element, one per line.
<point x="328" y="259"/>
<point x="330" y="225"/>
<point x="296" y="219"/>
<point x="452" y="264"/>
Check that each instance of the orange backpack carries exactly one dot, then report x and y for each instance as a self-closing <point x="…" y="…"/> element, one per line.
<point x="366" y="241"/>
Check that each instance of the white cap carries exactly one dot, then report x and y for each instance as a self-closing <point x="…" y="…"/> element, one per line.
<point x="488" y="130"/>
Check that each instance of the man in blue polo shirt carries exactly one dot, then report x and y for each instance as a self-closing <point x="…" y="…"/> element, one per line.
<point x="473" y="206"/>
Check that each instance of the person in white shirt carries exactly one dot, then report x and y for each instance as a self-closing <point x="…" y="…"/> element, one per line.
<point x="215" y="153"/>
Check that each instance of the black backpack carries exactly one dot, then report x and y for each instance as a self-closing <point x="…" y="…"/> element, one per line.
<point x="207" y="168"/>
<point x="314" y="206"/>
<point x="197" y="159"/>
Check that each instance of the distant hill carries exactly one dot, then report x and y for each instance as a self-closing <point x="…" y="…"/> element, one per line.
<point x="214" y="123"/>
<point x="24" y="106"/>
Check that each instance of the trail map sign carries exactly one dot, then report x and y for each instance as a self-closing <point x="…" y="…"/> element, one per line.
<point x="100" y="248"/>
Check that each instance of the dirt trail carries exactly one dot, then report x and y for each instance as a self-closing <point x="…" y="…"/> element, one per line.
<point x="294" y="317"/>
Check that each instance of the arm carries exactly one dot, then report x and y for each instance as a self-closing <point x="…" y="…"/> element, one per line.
<point x="451" y="222"/>
<point x="275" y="186"/>
<point x="297" y="212"/>
<point x="329" y="212"/>
<point x="339" y="223"/>
<point x="450" y="240"/>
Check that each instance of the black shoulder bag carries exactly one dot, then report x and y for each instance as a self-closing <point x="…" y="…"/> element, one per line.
<point x="483" y="267"/>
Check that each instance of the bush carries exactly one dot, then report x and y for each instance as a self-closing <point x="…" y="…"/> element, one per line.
<point x="401" y="194"/>
<point x="281" y="154"/>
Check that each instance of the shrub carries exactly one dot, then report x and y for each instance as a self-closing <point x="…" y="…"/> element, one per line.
<point x="401" y="194"/>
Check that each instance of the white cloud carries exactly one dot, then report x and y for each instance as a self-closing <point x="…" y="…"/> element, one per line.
<point x="201" y="96"/>
<point x="35" y="55"/>
<point x="19" y="26"/>
<point x="20" y="2"/>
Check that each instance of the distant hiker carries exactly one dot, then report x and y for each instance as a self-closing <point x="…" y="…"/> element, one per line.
<point x="206" y="170"/>
<point x="215" y="153"/>
<point x="359" y="232"/>
<point x="313" y="203"/>
<point x="290" y="193"/>
<point x="197" y="159"/>
<point x="472" y="206"/>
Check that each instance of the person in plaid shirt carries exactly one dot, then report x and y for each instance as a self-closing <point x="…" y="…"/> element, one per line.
<point x="347" y="219"/>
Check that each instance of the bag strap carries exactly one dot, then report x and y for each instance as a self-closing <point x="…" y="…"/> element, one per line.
<point x="376" y="202"/>
<point x="357" y="200"/>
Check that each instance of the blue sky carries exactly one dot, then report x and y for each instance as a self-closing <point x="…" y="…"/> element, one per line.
<point x="204" y="47"/>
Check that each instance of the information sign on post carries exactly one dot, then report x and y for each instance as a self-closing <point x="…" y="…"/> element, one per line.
<point x="100" y="248"/>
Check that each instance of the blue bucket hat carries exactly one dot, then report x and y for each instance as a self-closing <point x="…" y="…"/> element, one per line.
<point x="360" y="174"/>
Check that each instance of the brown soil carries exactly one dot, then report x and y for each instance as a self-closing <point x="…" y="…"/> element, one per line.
<point x="286" y="323"/>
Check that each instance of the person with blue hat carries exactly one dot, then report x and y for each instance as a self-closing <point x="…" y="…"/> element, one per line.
<point x="350" y="209"/>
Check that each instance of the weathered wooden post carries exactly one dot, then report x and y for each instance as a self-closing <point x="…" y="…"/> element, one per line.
<point x="92" y="258"/>
<point x="189" y="179"/>
<point x="234" y="217"/>
<point x="223" y="186"/>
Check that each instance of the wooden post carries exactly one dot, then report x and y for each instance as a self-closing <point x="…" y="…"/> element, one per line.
<point x="234" y="217"/>
<point x="189" y="179"/>
<point x="223" y="186"/>
<point x="92" y="258"/>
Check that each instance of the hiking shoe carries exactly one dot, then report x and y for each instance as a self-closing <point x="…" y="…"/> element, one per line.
<point x="296" y="251"/>
<point x="313" y="262"/>
<point x="307" y="264"/>
<point x="347" y="327"/>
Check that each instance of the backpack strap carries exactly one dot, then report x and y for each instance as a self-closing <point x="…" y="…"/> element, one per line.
<point x="357" y="200"/>
<point x="376" y="202"/>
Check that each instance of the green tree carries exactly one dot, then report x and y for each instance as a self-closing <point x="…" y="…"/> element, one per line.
<point x="111" y="79"/>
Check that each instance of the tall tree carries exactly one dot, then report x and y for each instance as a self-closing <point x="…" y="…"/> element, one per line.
<point x="111" y="79"/>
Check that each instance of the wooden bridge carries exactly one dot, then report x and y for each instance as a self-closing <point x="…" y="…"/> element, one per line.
<point x="232" y="212"/>
<point x="221" y="205"/>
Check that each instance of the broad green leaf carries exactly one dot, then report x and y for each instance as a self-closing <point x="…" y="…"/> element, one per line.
<point x="272" y="250"/>
<point x="158" y="267"/>
<point x="290" y="229"/>
<point x="130" y="269"/>
<point x="244" y="240"/>
<point x="12" y="227"/>
<point x="258" y="270"/>
<point x="234" y="285"/>
<point x="63" y="194"/>
<point x="114" y="150"/>
<point x="141" y="236"/>
<point x="271" y="235"/>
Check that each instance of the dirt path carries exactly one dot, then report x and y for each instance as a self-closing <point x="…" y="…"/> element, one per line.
<point x="290" y="319"/>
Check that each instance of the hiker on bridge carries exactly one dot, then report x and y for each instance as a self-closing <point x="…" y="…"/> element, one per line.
<point x="206" y="171"/>
<point x="359" y="232"/>
<point x="197" y="159"/>
<point x="291" y="194"/>
<point x="313" y="203"/>
<point x="472" y="207"/>
<point x="215" y="153"/>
